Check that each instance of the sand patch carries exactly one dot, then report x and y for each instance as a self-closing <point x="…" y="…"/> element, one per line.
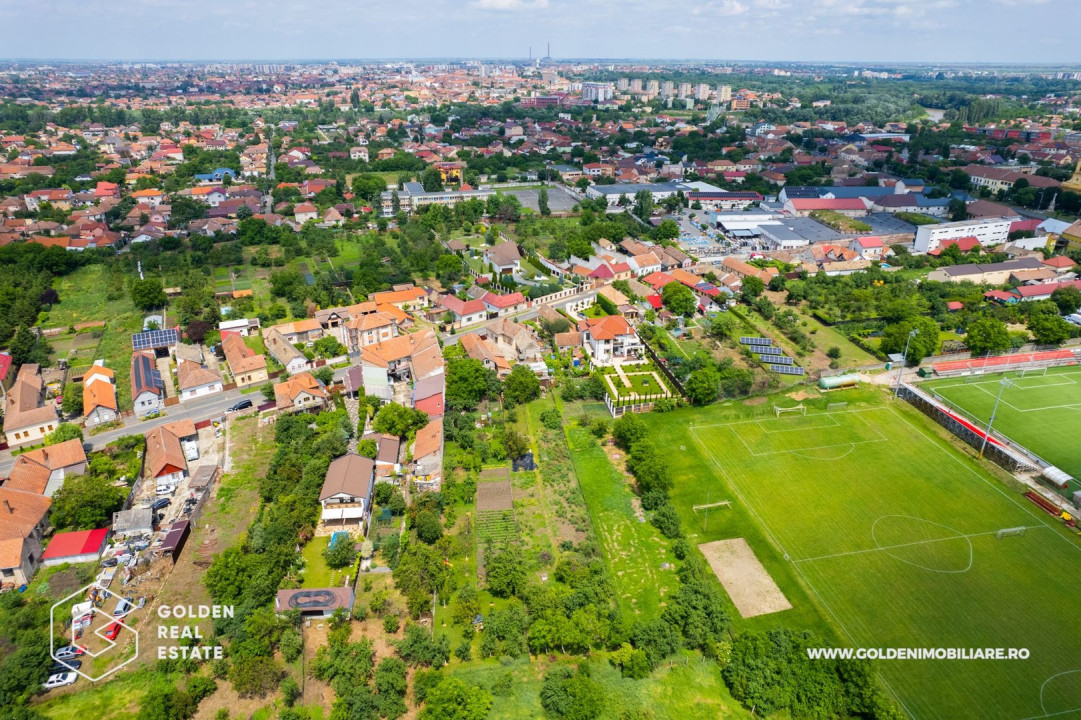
<point x="746" y="581"/>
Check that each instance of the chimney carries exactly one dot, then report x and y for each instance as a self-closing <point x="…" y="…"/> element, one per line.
<point x="11" y="510"/>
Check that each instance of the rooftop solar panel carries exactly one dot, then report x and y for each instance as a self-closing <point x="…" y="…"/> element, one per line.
<point x="151" y="339"/>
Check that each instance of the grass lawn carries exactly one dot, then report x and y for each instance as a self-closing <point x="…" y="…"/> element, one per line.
<point x="316" y="572"/>
<point x="633" y="550"/>
<point x="118" y="699"/>
<point x="839" y="221"/>
<point x="688" y="687"/>
<point x="826" y="337"/>
<point x="1038" y="411"/>
<point x="890" y="530"/>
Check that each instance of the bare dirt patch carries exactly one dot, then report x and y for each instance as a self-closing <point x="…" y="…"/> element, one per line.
<point x="804" y="395"/>
<point x="495" y="496"/>
<point x="746" y="581"/>
<point x="755" y="400"/>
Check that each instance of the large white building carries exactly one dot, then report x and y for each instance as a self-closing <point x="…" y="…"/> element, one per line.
<point x="989" y="231"/>
<point x="597" y="91"/>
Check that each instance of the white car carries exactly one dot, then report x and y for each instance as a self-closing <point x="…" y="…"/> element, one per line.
<point x="60" y="680"/>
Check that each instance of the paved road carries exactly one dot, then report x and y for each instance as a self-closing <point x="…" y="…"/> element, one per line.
<point x="204" y="408"/>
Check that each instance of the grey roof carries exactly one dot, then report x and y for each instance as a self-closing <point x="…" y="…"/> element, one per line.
<point x="134" y="520"/>
<point x="1025" y="263"/>
<point x="351" y="475"/>
<point x="630" y="189"/>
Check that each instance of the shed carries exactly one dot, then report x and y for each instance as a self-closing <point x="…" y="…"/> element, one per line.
<point x="137" y="521"/>
<point x="174" y="539"/>
<point x="204" y="477"/>
<point x="321" y="602"/>
<point x="76" y="547"/>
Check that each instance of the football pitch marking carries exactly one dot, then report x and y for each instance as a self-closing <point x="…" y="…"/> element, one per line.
<point x="797" y="565"/>
<point x="761" y="423"/>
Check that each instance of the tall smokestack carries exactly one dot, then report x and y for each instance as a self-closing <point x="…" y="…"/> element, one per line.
<point x="549" y="51"/>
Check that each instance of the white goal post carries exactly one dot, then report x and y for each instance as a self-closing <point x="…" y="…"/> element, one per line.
<point x="836" y="406"/>
<point x="1009" y="532"/>
<point x="1032" y="371"/>
<point x="800" y="409"/>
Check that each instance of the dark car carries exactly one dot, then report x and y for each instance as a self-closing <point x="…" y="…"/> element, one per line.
<point x="240" y="405"/>
<point x="66" y="666"/>
<point x="160" y="503"/>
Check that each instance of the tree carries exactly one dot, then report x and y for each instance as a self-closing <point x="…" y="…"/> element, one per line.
<point x="987" y="336"/>
<point x="429" y="528"/>
<point x="679" y="298"/>
<point x="368" y="448"/>
<point x="1068" y="299"/>
<point x="506" y="572"/>
<point x="703" y="385"/>
<point x="328" y="347"/>
<point x="147" y="294"/>
<point x="571" y="695"/>
<point x="777" y="283"/>
<point x="27" y="347"/>
<point x="431" y="180"/>
<point x="629" y="430"/>
<point x="448" y="268"/>
<point x="395" y="419"/>
<point x="895" y="337"/>
<point x="643" y="204"/>
<point x="63" y="433"/>
<point x="521" y="385"/>
<point x="86" y="502"/>
<point x="255" y="676"/>
<point x="72" y="403"/>
<point x="468" y="382"/>
<point x="752" y="287"/>
<point x="324" y="375"/>
<point x="666" y="230"/>
<point x="1048" y="329"/>
<point x="452" y="699"/>
<point x="340" y="554"/>
<point x="542" y="202"/>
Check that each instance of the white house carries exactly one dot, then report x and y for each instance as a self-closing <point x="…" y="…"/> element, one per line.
<point x="99" y="395"/>
<point x="610" y="338"/>
<point x="195" y="380"/>
<point x="989" y="231"/>
<point x="147" y="388"/>
<point x="347" y="490"/>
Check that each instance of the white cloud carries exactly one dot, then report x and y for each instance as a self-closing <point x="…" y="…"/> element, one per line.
<point x="510" y="5"/>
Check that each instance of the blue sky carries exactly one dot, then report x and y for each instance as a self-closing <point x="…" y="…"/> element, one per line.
<point x="1028" y="31"/>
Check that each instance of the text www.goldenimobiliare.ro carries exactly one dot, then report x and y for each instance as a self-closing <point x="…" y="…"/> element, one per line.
<point x="917" y="653"/>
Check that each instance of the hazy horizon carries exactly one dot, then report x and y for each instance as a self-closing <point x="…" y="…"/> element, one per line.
<point x="872" y="31"/>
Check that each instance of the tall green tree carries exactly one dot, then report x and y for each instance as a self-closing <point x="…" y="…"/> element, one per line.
<point x="987" y="335"/>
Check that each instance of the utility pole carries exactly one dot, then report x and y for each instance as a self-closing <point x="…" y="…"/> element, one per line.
<point x="1002" y="385"/>
<point x="904" y="360"/>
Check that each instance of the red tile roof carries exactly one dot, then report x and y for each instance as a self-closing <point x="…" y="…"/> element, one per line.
<point x="70" y="544"/>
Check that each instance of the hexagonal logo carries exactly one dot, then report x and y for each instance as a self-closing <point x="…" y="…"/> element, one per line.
<point x="87" y="615"/>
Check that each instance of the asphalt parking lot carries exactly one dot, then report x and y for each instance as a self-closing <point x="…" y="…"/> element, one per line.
<point x="559" y="199"/>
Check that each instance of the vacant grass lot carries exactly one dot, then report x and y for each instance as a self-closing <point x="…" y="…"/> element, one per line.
<point x="891" y="532"/>
<point x="633" y="550"/>
<point x="1038" y="411"/>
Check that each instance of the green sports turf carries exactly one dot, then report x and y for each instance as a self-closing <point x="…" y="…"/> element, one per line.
<point x="1041" y="412"/>
<point x="891" y="531"/>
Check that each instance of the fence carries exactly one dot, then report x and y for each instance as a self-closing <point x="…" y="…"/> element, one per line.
<point x="664" y="368"/>
<point x="999" y="449"/>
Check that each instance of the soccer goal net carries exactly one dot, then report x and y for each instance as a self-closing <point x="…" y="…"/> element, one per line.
<point x="1009" y="532"/>
<point x="798" y="409"/>
<point x="1032" y="372"/>
<point x="832" y="407"/>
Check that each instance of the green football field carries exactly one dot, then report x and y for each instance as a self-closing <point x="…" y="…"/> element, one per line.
<point x="1041" y="412"/>
<point x="890" y="533"/>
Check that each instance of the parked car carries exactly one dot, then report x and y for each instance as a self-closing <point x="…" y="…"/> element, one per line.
<point x="60" y="680"/>
<point x="66" y="666"/>
<point x="108" y="562"/>
<point x="160" y="503"/>
<point x="123" y="605"/>
<point x="240" y="405"/>
<point x="69" y="652"/>
<point x="112" y="631"/>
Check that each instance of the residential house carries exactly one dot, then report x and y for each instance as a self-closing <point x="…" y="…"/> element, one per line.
<point x="304" y="212"/>
<point x="147" y="388"/>
<point x="478" y="348"/>
<point x="370" y="328"/>
<point x="43" y="471"/>
<point x="347" y="490"/>
<point x="300" y="392"/>
<point x="500" y="305"/>
<point x="406" y="357"/>
<point x="304" y="331"/>
<point x="99" y="395"/>
<point x="27" y="417"/>
<point x="23" y="522"/>
<point x="465" y="312"/>
<point x="428" y="456"/>
<point x="610" y="339"/>
<point x="514" y="340"/>
<point x="402" y="297"/>
<point x="195" y="380"/>
<point x="504" y="258"/>
<point x="869" y="248"/>
<point x="284" y="351"/>
<point x="245" y="366"/>
<point x="166" y="463"/>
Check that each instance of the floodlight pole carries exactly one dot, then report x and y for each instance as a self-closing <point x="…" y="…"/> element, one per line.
<point x="1001" y="386"/>
<point x="904" y="360"/>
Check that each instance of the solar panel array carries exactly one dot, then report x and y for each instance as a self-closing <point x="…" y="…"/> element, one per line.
<point x="776" y="359"/>
<point x="756" y="341"/>
<point x="786" y="369"/>
<point x="771" y="350"/>
<point x="150" y="339"/>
